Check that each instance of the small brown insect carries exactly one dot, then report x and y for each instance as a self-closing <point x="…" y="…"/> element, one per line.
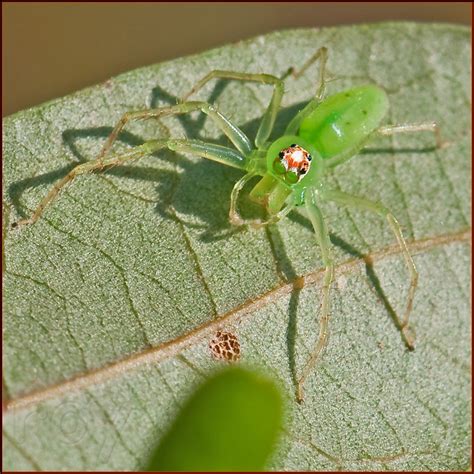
<point x="225" y="346"/>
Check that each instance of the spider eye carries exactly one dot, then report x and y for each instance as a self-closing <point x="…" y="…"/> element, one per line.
<point x="278" y="167"/>
<point x="292" y="177"/>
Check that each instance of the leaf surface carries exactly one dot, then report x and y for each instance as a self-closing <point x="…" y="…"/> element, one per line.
<point x="111" y="298"/>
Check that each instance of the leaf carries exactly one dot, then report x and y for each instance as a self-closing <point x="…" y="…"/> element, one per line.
<point x="230" y="423"/>
<point x="112" y="297"/>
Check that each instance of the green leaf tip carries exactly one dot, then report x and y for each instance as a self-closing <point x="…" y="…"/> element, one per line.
<point x="230" y="423"/>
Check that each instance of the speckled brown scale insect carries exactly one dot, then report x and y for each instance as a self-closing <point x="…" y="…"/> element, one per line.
<point x="225" y="346"/>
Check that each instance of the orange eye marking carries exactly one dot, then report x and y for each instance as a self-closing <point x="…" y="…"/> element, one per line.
<point x="296" y="159"/>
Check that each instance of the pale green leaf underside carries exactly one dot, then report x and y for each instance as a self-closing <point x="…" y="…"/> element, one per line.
<point x="128" y="261"/>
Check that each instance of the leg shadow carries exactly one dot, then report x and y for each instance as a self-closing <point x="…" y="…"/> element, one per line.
<point x="373" y="279"/>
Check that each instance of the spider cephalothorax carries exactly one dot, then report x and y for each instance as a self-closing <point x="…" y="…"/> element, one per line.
<point x="293" y="161"/>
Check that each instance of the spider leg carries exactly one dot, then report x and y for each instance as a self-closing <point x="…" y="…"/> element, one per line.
<point x="322" y="237"/>
<point x="268" y="120"/>
<point x="384" y="131"/>
<point x="321" y="55"/>
<point x="234" y="216"/>
<point x="210" y="151"/>
<point x="415" y="127"/>
<point x="365" y="204"/>
<point x="235" y="135"/>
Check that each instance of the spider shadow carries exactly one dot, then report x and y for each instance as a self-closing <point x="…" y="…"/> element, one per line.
<point x="391" y="151"/>
<point x="70" y="137"/>
<point x="373" y="279"/>
<point x="201" y="188"/>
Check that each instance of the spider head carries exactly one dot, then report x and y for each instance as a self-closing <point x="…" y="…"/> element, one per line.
<point x="292" y="165"/>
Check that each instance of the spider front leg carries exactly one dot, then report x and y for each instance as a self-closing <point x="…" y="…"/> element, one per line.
<point x="322" y="237"/>
<point x="365" y="204"/>
<point x="236" y="219"/>
<point x="235" y="135"/>
<point x="210" y="151"/>
<point x="269" y="117"/>
<point x="222" y="154"/>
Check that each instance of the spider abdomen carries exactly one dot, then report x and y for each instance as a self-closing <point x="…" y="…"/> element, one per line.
<point x="344" y="120"/>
